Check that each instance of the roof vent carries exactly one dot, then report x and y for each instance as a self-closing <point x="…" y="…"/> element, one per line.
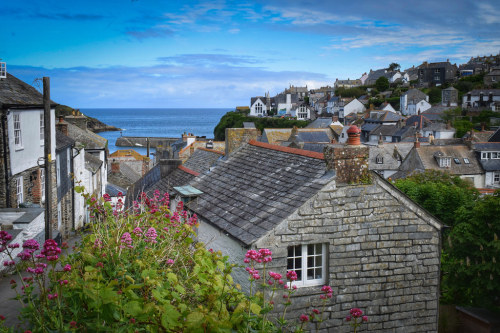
<point x="3" y="70"/>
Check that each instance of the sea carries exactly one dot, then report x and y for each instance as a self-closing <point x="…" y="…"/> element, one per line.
<point x="156" y="123"/>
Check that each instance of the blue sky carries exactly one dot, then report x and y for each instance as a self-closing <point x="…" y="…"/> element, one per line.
<point x="145" y="53"/>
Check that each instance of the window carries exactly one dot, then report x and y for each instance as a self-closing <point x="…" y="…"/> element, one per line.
<point x="42" y="183"/>
<point x="437" y="71"/>
<point x="445" y="162"/>
<point x="42" y="128"/>
<point x="3" y="70"/>
<point x="466" y="161"/>
<point x="309" y="262"/>
<point x="437" y="78"/>
<point x="19" y="190"/>
<point x="58" y="171"/>
<point x="59" y="217"/>
<point x="68" y="161"/>
<point x="18" y="140"/>
<point x="457" y="161"/>
<point x="496" y="178"/>
<point x="258" y="108"/>
<point x="379" y="159"/>
<point x="486" y="155"/>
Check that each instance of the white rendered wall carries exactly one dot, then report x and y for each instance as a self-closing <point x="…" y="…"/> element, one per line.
<point x="32" y="147"/>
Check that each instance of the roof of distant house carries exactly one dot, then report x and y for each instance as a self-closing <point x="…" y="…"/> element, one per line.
<point x="92" y="163"/>
<point x="257" y="187"/>
<point x="63" y="141"/>
<point x="128" y="153"/>
<point x="388" y="155"/>
<point x="485" y="92"/>
<point x="202" y="159"/>
<point x="114" y="190"/>
<point x="495" y="137"/>
<point x="275" y="135"/>
<point x="415" y="95"/>
<point x="428" y="157"/>
<point x="320" y="123"/>
<point x="436" y="112"/>
<point x="88" y="139"/>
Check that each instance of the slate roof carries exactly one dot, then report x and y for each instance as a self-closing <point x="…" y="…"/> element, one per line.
<point x="113" y="190"/>
<point x="275" y="135"/>
<point x="63" y="141"/>
<point x="86" y="138"/>
<point x="487" y="146"/>
<point x="427" y="156"/>
<point x="320" y="123"/>
<point x="14" y="92"/>
<point x="392" y="154"/>
<point x="495" y="137"/>
<point x="92" y="163"/>
<point x="385" y="130"/>
<point x="316" y="147"/>
<point x="202" y="159"/>
<point x="415" y="95"/>
<point x="179" y="177"/>
<point x="486" y="92"/>
<point x="386" y="116"/>
<point x="248" y="124"/>
<point x="419" y="121"/>
<point x="438" y="127"/>
<point x="436" y="113"/>
<point x="315" y="135"/>
<point x="490" y="165"/>
<point x="281" y="98"/>
<point x="257" y="187"/>
<point x="126" y="177"/>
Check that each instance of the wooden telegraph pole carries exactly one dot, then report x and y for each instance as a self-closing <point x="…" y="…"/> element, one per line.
<point x="48" y="157"/>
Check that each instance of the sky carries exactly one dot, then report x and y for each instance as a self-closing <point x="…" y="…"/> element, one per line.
<point x="218" y="54"/>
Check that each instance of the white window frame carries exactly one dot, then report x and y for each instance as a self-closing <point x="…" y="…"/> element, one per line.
<point x="19" y="190"/>
<point x="258" y="108"/>
<point x="3" y="70"/>
<point x="58" y="171"/>
<point x="42" y="129"/>
<point x="42" y="183"/>
<point x="59" y="216"/>
<point x="445" y="162"/>
<point x="496" y="178"/>
<point x="68" y="161"/>
<point x="295" y="260"/>
<point x="18" y="135"/>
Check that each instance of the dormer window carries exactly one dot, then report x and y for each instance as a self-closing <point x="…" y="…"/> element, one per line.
<point x="442" y="160"/>
<point x="486" y="155"/>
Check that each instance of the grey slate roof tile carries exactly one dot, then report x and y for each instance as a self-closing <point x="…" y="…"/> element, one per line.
<point x="273" y="184"/>
<point x="202" y="159"/>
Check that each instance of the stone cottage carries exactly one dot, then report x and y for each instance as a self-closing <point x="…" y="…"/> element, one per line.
<point x="333" y="222"/>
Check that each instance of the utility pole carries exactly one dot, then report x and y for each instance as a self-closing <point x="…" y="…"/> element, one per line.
<point x="47" y="157"/>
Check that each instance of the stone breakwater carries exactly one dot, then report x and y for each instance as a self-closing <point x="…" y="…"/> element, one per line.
<point x="142" y="141"/>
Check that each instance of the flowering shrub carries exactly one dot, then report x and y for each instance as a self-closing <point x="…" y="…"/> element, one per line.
<point x="356" y="318"/>
<point x="261" y="302"/>
<point x="136" y="270"/>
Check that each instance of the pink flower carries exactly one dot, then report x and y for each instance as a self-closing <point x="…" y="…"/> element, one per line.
<point x="126" y="239"/>
<point x="99" y="264"/>
<point x="2" y="318"/>
<point x="51" y="250"/>
<point x="151" y="235"/>
<point x="291" y="275"/>
<point x="67" y="268"/>
<point x="356" y="313"/>
<point x="304" y="318"/>
<point x="137" y="232"/>
<point x="72" y="324"/>
<point x="316" y="311"/>
<point x="348" y="318"/>
<point x="132" y="320"/>
<point x="52" y="296"/>
<point x="327" y="289"/>
<point x="170" y="262"/>
<point x="13" y="246"/>
<point x="364" y="318"/>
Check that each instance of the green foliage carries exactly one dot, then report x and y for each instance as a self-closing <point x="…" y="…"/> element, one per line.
<point x="462" y="126"/>
<point x="63" y="110"/>
<point x="382" y="83"/>
<point x="434" y="95"/>
<point x="394" y="66"/>
<point x="350" y="92"/>
<point x="472" y="273"/>
<point x="236" y="120"/>
<point x="137" y="270"/>
<point x="471" y="248"/>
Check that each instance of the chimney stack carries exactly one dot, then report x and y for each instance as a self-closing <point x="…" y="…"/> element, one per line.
<point x="62" y="126"/>
<point x="350" y="162"/>
<point x="168" y="165"/>
<point x="235" y="137"/>
<point x="115" y="166"/>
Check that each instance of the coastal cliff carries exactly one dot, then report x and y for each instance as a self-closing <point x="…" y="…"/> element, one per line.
<point x="93" y="124"/>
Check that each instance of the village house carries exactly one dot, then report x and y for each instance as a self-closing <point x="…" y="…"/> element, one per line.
<point x="457" y="159"/>
<point x="492" y="77"/>
<point x="353" y="107"/>
<point x="482" y="99"/>
<point x="436" y="73"/>
<point x="261" y="106"/>
<point x="488" y="154"/>
<point x="347" y="83"/>
<point x="386" y="158"/>
<point x="449" y="97"/>
<point x="64" y="183"/>
<point x="377" y="249"/>
<point x="413" y="102"/>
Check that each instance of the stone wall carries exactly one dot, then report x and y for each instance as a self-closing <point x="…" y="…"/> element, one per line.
<point x="383" y="257"/>
<point x="235" y="137"/>
<point x="349" y="162"/>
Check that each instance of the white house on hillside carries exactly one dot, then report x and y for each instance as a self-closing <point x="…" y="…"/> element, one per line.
<point x="414" y="102"/>
<point x="353" y="106"/>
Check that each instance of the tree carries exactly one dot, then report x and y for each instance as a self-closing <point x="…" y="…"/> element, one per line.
<point x="434" y="95"/>
<point x="471" y="245"/>
<point x="382" y="83"/>
<point x="394" y="67"/>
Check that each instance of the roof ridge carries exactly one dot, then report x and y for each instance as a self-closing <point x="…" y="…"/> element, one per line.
<point x="211" y="150"/>
<point x="192" y="172"/>
<point x="289" y="150"/>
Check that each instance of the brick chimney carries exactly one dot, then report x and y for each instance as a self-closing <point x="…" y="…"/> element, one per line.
<point x="350" y="162"/>
<point x="62" y="126"/>
<point x="335" y="119"/>
<point x="115" y="166"/>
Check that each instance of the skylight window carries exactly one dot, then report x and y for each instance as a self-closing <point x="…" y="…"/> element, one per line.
<point x="457" y="161"/>
<point x="466" y="161"/>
